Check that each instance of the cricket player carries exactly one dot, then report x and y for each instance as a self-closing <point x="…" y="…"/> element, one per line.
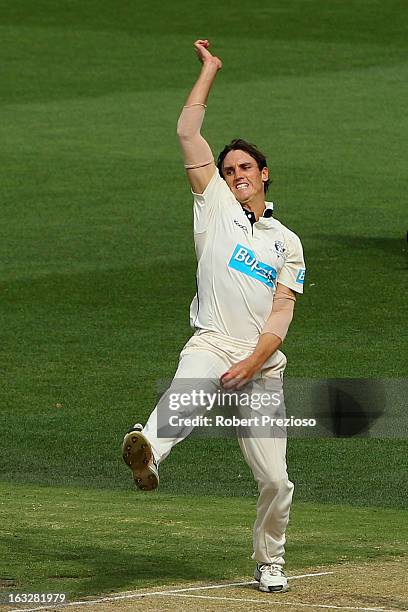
<point x="250" y="268"/>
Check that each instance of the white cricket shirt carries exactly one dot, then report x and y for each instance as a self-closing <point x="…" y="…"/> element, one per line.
<point x="239" y="264"/>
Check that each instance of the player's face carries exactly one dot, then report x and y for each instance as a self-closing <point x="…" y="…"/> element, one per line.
<point x="243" y="176"/>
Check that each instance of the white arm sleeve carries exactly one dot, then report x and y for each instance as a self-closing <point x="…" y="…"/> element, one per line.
<point x="292" y="274"/>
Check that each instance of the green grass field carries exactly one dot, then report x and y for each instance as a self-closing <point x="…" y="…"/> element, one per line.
<point x="97" y="268"/>
<point x="85" y="541"/>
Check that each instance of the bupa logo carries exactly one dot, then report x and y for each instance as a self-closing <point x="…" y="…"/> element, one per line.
<point x="301" y="276"/>
<point x="244" y="260"/>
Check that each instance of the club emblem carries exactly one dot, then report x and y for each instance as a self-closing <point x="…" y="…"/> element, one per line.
<point x="279" y="247"/>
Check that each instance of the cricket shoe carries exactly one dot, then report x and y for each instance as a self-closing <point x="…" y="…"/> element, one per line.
<point x="271" y="578"/>
<point x="138" y="455"/>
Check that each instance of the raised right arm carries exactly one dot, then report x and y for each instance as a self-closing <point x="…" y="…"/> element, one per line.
<point x="198" y="157"/>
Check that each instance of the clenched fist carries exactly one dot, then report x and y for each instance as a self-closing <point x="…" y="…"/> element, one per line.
<point x="204" y="55"/>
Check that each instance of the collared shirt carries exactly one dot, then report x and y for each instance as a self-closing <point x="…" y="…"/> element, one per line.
<point x="239" y="264"/>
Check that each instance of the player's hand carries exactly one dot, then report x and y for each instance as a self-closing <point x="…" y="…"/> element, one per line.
<point x="204" y="55"/>
<point x="240" y="374"/>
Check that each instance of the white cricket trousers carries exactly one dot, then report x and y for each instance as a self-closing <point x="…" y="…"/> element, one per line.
<point x="206" y="356"/>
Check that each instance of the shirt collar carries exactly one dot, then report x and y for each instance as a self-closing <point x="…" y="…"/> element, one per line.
<point x="266" y="214"/>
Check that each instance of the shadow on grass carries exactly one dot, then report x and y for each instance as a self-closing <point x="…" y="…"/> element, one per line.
<point x="84" y="570"/>
<point x="396" y="246"/>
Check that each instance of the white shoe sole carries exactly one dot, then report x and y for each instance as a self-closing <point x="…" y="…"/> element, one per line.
<point x="137" y="454"/>
<point x="273" y="589"/>
<point x="270" y="589"/>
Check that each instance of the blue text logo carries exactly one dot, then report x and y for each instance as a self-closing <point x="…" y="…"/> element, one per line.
<point x="244" y="261"/>
<point x="301" y="276"/>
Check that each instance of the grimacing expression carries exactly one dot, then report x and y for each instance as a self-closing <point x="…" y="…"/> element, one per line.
<point x="242" y="175"/>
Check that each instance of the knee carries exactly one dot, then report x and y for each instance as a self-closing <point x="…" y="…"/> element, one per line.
<point x="272" y="484"/>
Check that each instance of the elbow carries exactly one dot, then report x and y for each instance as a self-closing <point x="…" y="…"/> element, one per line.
<point x="183" y="134"/>
<point x="186" y="132"/>
<point x="181" y="130"/>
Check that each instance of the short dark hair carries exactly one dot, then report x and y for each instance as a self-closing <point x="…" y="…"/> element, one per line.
<point x="238" y="144"/>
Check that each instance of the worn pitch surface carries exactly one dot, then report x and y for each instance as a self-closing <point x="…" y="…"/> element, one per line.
<point x="369" y="587"/>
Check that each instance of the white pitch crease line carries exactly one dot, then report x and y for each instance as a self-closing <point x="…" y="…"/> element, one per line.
<point x="135" y="595"/>
<point x="283" y="603"/>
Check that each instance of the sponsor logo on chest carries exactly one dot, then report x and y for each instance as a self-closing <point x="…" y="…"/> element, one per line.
<point x="244" y="260"/>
